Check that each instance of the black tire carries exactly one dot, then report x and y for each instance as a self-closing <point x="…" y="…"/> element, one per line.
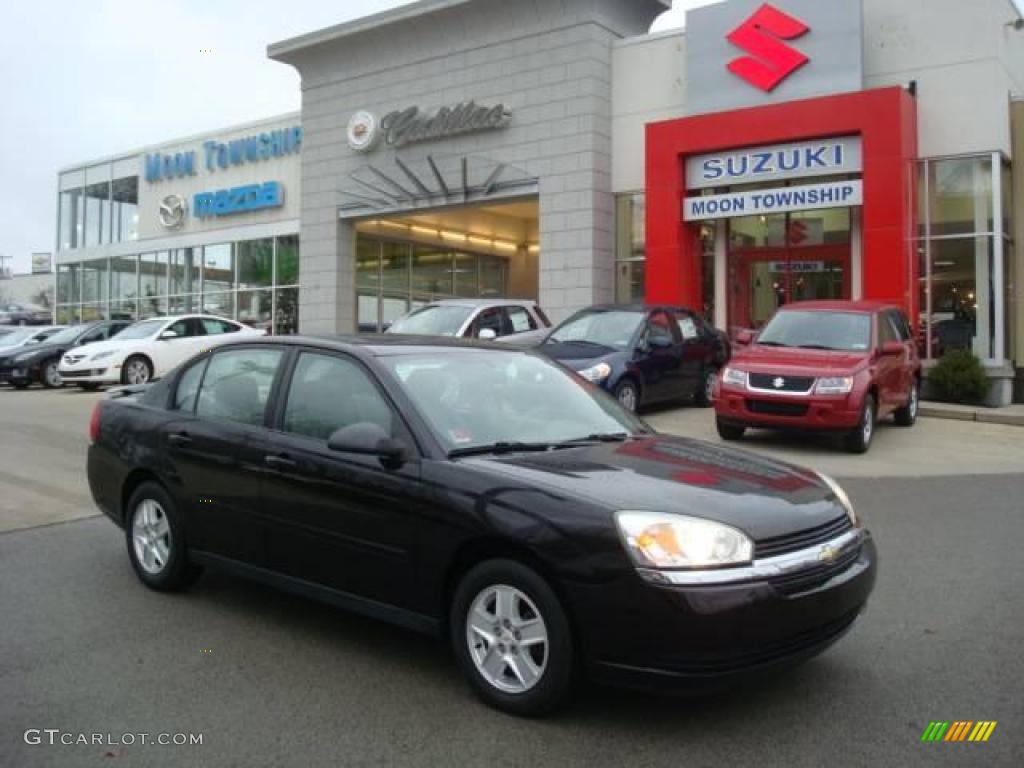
<point x="136" y="360"/>
<point x="177" y="572"/>
<point x="628" y="394"/>
<point x="88" y="386"/>
<point x="554" y="684"/>
<point x="703" y="397"/>
<point x="728" y="431"/>
<point x="21" y="384"/>
<point x="858" y="439"/>
<point x="46" y="376"/>
<point x="907" y="415"/>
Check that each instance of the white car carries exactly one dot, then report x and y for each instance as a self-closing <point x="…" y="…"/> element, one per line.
<point x="148" y="349"/>
<point x="472" y="319"/>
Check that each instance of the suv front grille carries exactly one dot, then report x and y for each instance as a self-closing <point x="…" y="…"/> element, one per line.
<point x="789" y="383"/>
<point x="793" y="542"/>
<point x="772" y="408"/>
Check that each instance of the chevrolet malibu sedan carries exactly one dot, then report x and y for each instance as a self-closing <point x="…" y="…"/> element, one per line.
<point x="833" y="366"/>
<point x="148" y="349"/>
<point x="487" y="496"/>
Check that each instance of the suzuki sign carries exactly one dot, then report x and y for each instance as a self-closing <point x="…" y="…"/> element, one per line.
<point x="746" y="53"/>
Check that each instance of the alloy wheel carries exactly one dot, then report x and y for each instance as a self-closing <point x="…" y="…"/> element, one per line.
<point x="868" y="424"/>
<point x="709" y="385"/>
<point x="507" y="639"/>
<point x="627" y="398"/>
<point x="915" y="401"/>
<point x="137" y="372"/>
<point x="151" y="536"/>
<point x="51" y="375"/>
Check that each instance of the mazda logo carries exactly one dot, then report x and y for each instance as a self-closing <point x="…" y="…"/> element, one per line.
<point x="172" y="211"/>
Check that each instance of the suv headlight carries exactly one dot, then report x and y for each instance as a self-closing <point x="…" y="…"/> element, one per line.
<point x="734" y="378"/>
<point x="597" y="373"/>
<point x="659" y="540"/>
<point x="842" y="498"/>
<point x="838" y="385"/>
<point x="103" y="355"/>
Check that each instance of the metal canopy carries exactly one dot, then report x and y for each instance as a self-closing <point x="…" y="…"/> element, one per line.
<point x="402" y="185"/>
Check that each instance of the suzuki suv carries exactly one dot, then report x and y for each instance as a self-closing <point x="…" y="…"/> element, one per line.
<point x="838" y="366"/>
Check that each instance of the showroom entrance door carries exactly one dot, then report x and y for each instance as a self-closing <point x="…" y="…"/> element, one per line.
<point x="784" y="258"/>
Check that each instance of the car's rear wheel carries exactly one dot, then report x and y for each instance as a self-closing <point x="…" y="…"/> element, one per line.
<point x="512" y="638"/>
<point x="136" y="370"/>
<point x="88" y="386"/>
<point x="907" y="415"/>
<point x="156" y="540"/>
<point x="51" y="376"/>
<point x="628" y="395"/>
<point x="705" y="396"/>
<point x="728" y="431"/>
<point x="858" y="440"/>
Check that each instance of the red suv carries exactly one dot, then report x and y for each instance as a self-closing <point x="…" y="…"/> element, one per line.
<point x="824" y="365"/>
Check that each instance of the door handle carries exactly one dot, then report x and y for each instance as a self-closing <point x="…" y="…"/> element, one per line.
<point x="279" y="462"/>
<point x="180" y="440"/>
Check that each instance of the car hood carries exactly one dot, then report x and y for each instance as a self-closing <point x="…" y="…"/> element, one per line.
<point x="795" y="362"/>
<point x="578" y="356"/>
<point x="762" y="497"/>
<point x="43" y="349"/>
<point x="90" y="350"/>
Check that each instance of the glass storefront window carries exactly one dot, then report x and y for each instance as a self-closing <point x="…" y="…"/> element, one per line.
<point x="255" y="308"/>
<point x="67" y="284"/>
<point x="95" y="281"/>
<point x="153" y="274"/>
<point x="218" y="268"/>
<point x="395" y="268"/>
<point x="124" y="279"/>
<point x="255" y="263"/>
<point x="180" y="305"/>
<point x="124" y="310"/>
<point x="630" y="247"/>
<point x="629" y="281"/>
<point x="72" y="219"/>
<point x="962" y="305"/>
<point x="431" y="271"/>
<point x="184" y="270"/>
<point x="493" y="277"/>
<point x="97" y="205"/>
<point x="467" y="278"/>
<point x="288" y="260"/>
<point x="286" y="311"/>
<point x="151" y="306"/>
<point x="93" y="312"/>
<point x="960" y="196"/>
<point x="222" y="304"/>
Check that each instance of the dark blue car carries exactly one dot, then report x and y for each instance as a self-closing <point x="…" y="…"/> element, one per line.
<point x="641" y="354"/>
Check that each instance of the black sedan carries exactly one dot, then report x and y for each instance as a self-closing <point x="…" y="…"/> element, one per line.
<point x="641" y="354"/>
<point x="486" y="495"/>
<point x="39" y="362"/>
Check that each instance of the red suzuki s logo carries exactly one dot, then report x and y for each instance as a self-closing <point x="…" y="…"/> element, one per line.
<point x="770" y="61"/>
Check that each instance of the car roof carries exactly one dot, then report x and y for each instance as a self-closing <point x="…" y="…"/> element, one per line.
<point x="382" y="345"/>
<point x="860" y="305"/>
<point x="637" y="307"/>
<point x="482" y="303"/>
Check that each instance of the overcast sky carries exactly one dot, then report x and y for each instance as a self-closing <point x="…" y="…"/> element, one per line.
<point x="83" y="80"/>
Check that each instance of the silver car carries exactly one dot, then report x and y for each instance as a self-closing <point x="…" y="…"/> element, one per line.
<point x="473" y="319"/>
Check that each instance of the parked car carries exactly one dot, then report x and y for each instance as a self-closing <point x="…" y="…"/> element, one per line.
<point x="149" y="349"/>
<point x="472" y="319"/>
<point x="487" y="494"/>
<point x="40" y="362"/>
<point x="20" y="338"/>
<point x="25" y="314"/>
<point x="641" y="354"/>
<point x="839" y="366"/>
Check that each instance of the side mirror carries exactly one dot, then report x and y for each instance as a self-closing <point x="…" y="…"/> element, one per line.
<point x="487" y="334"/>
<point x="744" y="337"/>
<point x="368" y="439"/>
<point x="892" y="349"/>
<point x="168" y="335"/>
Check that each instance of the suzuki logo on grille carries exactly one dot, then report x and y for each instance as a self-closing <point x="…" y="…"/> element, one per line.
<point x="770" y="61"/>
<point x="779" y="383"/>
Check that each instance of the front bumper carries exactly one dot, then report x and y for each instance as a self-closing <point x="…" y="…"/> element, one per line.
<point x="757" y="409"/>
<point x="12" y="373"/>
<point x="90" y="375"/>
<point x="706" y="632"/>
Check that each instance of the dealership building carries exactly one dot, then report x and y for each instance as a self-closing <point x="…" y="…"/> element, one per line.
<point x="765" y="154"/>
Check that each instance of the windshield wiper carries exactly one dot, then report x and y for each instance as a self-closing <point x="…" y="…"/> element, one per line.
<point x="602" y="437"/>
<point x="771" y="344"/>
<point x="499" y="448"/>
<point x="587" y="342"/>
<point x="817" y="346"/>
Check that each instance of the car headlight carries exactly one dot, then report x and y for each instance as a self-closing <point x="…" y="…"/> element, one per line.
<point x="838" y="385"/>
<point x="842" y="498"/>
<point x="734" y="378"/>
<point x="103" y="355"/>
<point x="659" y="540"/>
<point x="597" y="373"/>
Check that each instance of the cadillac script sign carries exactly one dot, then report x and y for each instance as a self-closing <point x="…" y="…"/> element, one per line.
<point x="412" y="125"/>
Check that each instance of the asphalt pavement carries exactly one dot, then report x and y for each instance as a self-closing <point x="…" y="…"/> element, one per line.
<point x="272" y="680"/>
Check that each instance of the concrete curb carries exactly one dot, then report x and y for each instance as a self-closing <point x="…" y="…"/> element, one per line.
<point x="983" y="416"/>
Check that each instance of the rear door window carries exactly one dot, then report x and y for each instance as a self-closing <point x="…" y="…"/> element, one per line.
<point x="520" y="320"/>
<point x="237" y="385"/>
<point x="214" y="327"/>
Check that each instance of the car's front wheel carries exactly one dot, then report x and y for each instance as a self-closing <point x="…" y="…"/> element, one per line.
<point x="512" y="638"/>
<point x="858" y="440"/>
<point x="136" y="370"/>
<point x="156" y="540"/>
<point x="51" y="376"/>
<point x="728" y="431"/>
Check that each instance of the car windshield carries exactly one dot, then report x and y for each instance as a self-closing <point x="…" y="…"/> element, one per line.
<point x="66" y="336"/>
<point x="844" y="331"/>
<point x="17" y="337"/>
<point x="142" y="330"/>
<point x="609" y="328"/>
<point x="479" y="398"/>
<point x="433" y="320"/>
